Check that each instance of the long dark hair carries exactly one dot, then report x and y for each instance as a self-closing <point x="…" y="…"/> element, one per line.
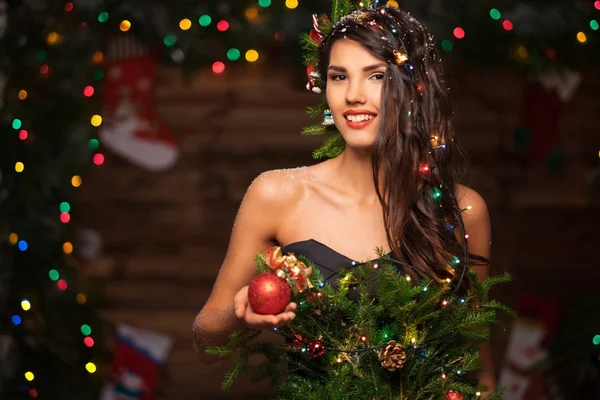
<point x="415" y="150"/>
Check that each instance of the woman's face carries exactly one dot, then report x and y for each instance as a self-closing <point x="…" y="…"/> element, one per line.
<point x="354" y="82"/>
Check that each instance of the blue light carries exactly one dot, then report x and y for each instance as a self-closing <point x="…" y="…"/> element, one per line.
<point x="322" y="284"/>
<point x="22" y="245"/>
<point x="16" y="319"/>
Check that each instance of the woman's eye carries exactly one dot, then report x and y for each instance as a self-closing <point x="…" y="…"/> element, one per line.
<point x="378" y="76"/>
<point x="337" y="77"/>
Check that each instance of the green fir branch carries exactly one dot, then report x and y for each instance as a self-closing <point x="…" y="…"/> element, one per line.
<point x="499" y="307"/>
<point x="313" y="130"/>
<point x="308" y="43"/>
<point x="238" y="370"/>
<point x="332" y="147"/>
<point x="484" y="287"/>
<point x="316" y="111"/>
<point x="219" y="351"/>
<point x="261" y="264"/>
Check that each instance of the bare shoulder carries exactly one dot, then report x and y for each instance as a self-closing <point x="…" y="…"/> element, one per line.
<point x="276" y="189"/>
<point x="474" y="206"/>
<point x="475" y="212"/>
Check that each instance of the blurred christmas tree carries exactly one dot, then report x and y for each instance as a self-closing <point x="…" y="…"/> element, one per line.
<point x="51" y="340"/>
<point x="52" y="68"/>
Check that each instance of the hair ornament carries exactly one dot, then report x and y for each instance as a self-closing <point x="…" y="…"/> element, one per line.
<point x="400" y="57"/>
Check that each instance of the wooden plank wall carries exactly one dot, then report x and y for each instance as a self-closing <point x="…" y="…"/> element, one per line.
<point x="166" y="233"/>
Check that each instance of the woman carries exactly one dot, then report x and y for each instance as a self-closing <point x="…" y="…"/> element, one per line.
<point x="384" y="88"/>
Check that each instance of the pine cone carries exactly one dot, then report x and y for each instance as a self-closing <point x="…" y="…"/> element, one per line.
<point x="392" y="356"/>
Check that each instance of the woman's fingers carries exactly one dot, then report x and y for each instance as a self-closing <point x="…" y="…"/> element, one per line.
<point x="240" y="302"/>
<point x="269" y="321"/>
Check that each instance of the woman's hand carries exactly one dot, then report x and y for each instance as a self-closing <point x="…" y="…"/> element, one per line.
<point x="257" y="321"/>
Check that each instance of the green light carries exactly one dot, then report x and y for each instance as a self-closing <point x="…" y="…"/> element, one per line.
<point x="447" y="45"/>
<point x="455" y="260"/>
<point x="98" y="75"/>
<point x="495" y="14"/>
<point x="42" y="55"/>
<point x="204" y="20"/>
<point x="169" y="40"/>
<point x="16" y="123"/>
<point x="596" y="340"/>
<point x="264" y="3"/>
<point x="437" y="194"/>
<point x="93" y="144"/>
<point x="594" y="25"/>
<point x="233" y="54"/>
<point x="86" y="330"/>
<point x="65" y="207"/>
<point x="103" y="17"/>
<point x="53" y="274"/>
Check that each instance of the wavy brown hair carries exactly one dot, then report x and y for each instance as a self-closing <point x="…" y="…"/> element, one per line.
<point x="415" y="151"/>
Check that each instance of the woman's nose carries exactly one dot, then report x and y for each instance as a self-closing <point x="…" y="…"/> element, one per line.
<point x="355" y="93"/>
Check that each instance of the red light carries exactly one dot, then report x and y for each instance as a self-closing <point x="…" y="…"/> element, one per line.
<point x="65" y="217"/>
<point x="33" y="393"/>
<point x="98" y="159"/>
<point x="68" y="6"/>
<point x="459" y="33"/>
<point x="424" y="168"/>
<point x="506" y="24"/>
<point x="597" y="4"/>
<point x="222" y="25"/>
<point x="218" y="67"/>
<point x="23" y="134"/>
<point x="44" y="69"/>
<point x="62" y="284"/>
<point x="88" y="341"/>
<point x="551" y="53"/>
<point x="88" y="91"/>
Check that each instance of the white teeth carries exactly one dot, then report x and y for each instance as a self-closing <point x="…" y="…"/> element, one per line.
<point x="359" y="118"/>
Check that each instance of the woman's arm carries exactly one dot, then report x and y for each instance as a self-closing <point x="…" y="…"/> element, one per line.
<point x="254" y="229"/>
<point x="477" y="226"/>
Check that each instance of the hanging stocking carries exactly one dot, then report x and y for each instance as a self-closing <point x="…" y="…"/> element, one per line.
<point x="138" y="359"/>
<point x="543" y="103"/>
<point x="133" y="129"/>
<point x="527" y="346"/>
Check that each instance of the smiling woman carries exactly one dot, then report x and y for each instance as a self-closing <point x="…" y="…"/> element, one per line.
<point x="392" y="187"/>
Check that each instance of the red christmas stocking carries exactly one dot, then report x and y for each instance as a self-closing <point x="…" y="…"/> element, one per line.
<point x="133" y="129"/>
<point x="527" y="346"/>
<point x="543" y="103"/>
<point x="139" y="357"/>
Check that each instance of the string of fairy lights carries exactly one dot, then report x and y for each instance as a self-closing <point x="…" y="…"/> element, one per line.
<point x="218" y="67"/>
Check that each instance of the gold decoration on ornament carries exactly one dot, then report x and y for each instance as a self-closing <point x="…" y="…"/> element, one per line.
<point x="392" y="356"/>
<point x="289" y="268"/>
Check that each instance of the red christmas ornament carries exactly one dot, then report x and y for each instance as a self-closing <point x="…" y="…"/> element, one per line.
<point x="454" y="396"/>
<point x="316" y="348"/>
<point x="298" y="341"/>
<point x="268" y="294"/>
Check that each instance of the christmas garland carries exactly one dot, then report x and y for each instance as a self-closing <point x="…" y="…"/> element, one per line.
<point x="399" y="341"/>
